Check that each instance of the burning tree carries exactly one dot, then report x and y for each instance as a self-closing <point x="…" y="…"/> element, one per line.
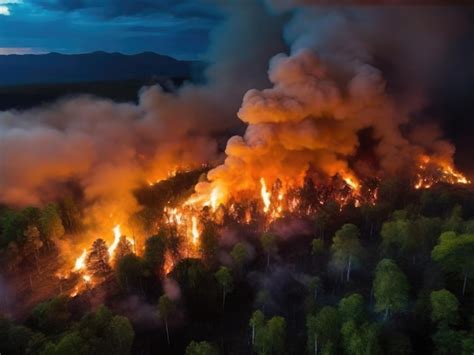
<point x="97" y="261"/>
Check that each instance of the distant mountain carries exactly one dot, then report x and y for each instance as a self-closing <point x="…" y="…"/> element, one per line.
<point x="89" y="67"/>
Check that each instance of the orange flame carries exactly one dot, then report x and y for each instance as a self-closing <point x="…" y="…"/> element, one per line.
<point x="265" y="195"/>
<point x="80" y="261"/>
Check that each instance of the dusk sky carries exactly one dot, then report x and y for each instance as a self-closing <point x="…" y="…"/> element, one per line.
<point x="179" y="28"/>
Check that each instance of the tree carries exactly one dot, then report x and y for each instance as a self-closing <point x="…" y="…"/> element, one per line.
<point x="323" y="330"/>
<point x="454" y="254"/>
<point x="120" y="334"/>
<point x="444" y="307"/>
<point x="240" y="255"/>
<point x="396" y="236"/>
<point x="346" y="249"/>
<point x="165" y="308"/>
<point x="390" y="288"/>
<point x="51" y="316"/>
<point x="124" y="247"/>
<point x="268" y="337"/>
<point x="155" y="251"/>
<point x="209" y="244"/>
<point x="51" y="225"/>
<point x="317" y="246"/>
<point x="12" y="226"/>
<point x="130" y="273"/>
<point x="224" y="277"/>
<point x="314" y="285"/>
<point x="71" y="343"/>
<point x="269" y="246"/>
<point x="352" y="308"/>
<point x="97" y="261"/>
<point x="448" y="341"/>
<point x="257" y="321"/>
<point x="360" y="339"/>
<point x="200" y="348"/>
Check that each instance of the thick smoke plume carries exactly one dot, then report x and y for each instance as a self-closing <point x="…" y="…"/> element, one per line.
<point x="110" y="148"/>
<point x="338" y="72"/>
<point x="329" y="88"/>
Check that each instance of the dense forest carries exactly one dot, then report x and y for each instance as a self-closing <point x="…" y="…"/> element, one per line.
<point x="391" y="276"/>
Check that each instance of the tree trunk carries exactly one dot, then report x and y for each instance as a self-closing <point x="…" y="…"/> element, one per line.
<point x="167" y="332"/>
<point x="223" y="298"/>
<point x="253" y="334"/>
<point x="348" y="276"/>
<point x="464" y="285"/>
<point x="315" y="294"/>
<point x="315" y="344"/>
<point x="268" y="260"/>
<point x="386" y="314"/>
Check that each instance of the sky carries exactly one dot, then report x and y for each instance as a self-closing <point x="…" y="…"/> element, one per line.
<point x="179" y="28"/>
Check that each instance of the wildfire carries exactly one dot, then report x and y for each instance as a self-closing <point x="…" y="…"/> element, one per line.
<point x="194" y="230"/>
<point x="80" y="261"/>
<point x="117" y="235"/>
<point x="265" y="195"/>
<point x="432" y="171"/>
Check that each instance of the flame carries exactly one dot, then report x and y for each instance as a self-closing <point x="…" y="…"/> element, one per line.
<point x="80" y="261"/>
<point x="265" y="195"/>
<point x="117" y="235"/>
<point x="194" y="230"/>
<point x="352" y="182"/>
<point x="432" y="171"/>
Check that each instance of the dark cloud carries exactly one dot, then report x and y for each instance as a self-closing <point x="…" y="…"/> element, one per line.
<point x="119" y="8"/>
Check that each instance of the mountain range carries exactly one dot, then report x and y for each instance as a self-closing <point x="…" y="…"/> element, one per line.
<point x="54" y="68"/>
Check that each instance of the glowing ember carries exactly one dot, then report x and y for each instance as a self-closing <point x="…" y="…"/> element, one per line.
<point x="265" y="196"/>
<point x="80" y="261"/>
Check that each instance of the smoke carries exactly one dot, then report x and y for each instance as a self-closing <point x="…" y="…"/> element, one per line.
<point x="347" y="70"/>
<point x="109" y="149"/>
<point x="333" y="72"/>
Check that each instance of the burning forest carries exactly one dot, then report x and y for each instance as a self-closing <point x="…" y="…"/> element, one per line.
<point x="294" y="182"/>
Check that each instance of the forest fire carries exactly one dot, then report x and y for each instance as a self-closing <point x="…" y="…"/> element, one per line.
<point x="432" y="171"/>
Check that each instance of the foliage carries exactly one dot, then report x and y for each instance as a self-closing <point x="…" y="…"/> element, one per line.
<point x="444" y="307"/>
<point x="240" y="255"/>
<point x="454" y="253"/>
<point x="346" y="249"/>
<point x="51" y="316"/>
<point x="200" y="348"/>
<point x="390" y="288"/>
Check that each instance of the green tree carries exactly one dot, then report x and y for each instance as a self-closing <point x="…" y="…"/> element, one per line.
<point x="352" y="308"/>
<point x="270" y="335"/>
<point x="224" y="277"/>
<point x="346" y="249"/>
<point x="51" y="316"/>
<point x="51" y="225"/>
<point x="317" y="246"/>
<point x="257" y="321"/>
<point x="240" y="255"/>
<point x="155" y="251"/>
<point x="166" y="307"/>
<point x="200" y="348"/>
<point x="390" y="288"/>
<point x="12" y="226"/>
<point x="360" y="339"/>
<point x="269" y="245"/>
<point x="131" y="272"/>
<point x="448" y="341"/>
<point x="444" y="307"/>
<point x="323" y="330"/>
<point x="71" y="343"/>
<point x="454" y="254"/>
<point x="120" y="334"/>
